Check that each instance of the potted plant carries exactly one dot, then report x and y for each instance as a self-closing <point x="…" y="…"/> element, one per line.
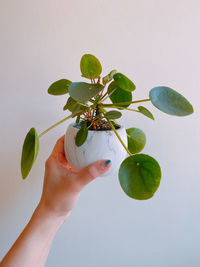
<point x="95" y="134"/>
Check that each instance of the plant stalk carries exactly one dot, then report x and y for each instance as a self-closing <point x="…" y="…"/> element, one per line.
<point x="56" y="124"/>
<point x="110" y="94"/>
<point x="108" y="90"/>
<point x="111" y="125"/>
<point x="126" y="103"/>
<point x="122" y="108"/>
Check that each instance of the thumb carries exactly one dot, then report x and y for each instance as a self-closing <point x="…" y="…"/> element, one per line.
<point x="92" y="171"/>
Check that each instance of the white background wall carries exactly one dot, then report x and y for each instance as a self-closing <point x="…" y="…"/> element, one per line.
<point x="154" y="42"/>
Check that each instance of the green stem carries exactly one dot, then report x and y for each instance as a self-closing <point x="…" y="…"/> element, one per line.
<point x="127" y="103"/>
<point x="111" y="125"/>
<point x="56" y="124"/>
<point x="110" y="94"/>
<point x="89" y="125"/>
<point x="108" y="90"/>
<point x="122" y="108"/>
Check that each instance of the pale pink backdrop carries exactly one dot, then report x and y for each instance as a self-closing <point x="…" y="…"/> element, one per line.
<point x="154" y="42"/>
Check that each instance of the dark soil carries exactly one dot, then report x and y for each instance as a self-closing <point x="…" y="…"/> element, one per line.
<point x="102" y="126"/>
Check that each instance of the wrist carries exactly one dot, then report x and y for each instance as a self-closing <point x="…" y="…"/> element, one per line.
<point x="44" y="212"/>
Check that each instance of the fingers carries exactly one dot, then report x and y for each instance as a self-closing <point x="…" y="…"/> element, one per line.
<point x="58" y="153"/>
<point x="59" y="146"/>
<point x="92" y="171"/>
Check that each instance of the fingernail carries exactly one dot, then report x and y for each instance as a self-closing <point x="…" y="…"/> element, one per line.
<point x="107" y="162"/>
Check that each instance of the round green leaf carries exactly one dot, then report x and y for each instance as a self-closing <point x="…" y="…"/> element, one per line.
<point x="90" y="66"/>
<point x="123" y="82"/>
<point x="59" y="87"/>
<point x="139" y="176"/>
<point x="170" y="101"/>
<point x="113" y="114"/>
<point x="119" y="95"/>
<point x="146" y="112"/>
<point x="136" y="140"/>
<point x="70" y="103"/>
<point x="82" y="92"/>
<point x="73" y="106"/>
<point x="81" y="135"/>
<point x="29" y="152"/>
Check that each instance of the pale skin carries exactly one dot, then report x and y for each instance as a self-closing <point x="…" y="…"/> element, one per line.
<point x="61" y="190"/>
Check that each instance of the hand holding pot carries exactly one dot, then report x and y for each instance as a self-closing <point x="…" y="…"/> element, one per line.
<point x="61" y="190"/>
<point x="63" y="184"/>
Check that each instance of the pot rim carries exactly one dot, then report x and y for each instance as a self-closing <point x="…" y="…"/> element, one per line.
<point x="74" y="123"/>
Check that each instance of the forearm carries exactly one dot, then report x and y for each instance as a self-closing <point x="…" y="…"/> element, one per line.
<point x="33" y="245"/>
<point x="61" y="190"/>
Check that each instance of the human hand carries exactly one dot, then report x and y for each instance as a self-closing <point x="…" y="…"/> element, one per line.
<point x="63" y="184"/>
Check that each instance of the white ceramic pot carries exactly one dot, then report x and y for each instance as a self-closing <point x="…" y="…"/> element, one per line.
<point x="98" y="145"/>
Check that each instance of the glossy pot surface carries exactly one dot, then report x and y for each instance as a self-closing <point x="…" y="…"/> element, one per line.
<point x="98" y="145"/>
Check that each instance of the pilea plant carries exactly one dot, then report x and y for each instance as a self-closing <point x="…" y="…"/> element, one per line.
<point x="139" y="174"/>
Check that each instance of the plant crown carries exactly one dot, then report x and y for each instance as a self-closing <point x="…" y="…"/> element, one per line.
<point x="139" y="174"/>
